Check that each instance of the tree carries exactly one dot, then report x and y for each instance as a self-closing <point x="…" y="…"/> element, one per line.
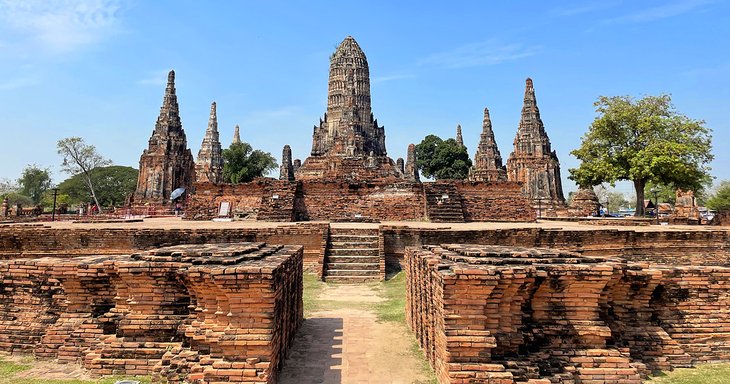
<point x="242" y="164"/>
<point x="80" y="158"/>
<point x="640" y="141"/>
<point x="441" y="159"/>
<point x="112" y="185"/>
<point x="720" y="200"/>
<point x="34" y="182"/>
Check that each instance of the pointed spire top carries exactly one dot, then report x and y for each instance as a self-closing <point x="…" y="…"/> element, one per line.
<point x="236" y="135"/>
<point x="213" y="120"/>
<point x="529" y="90"/>
<point x="169" y="118"/>
<point x="171" y="77"/>
<point x="349" y="47"/>
<point x="459" y="138"/>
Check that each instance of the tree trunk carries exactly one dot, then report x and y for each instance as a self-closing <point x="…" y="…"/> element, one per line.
<point x="639" y="188"/>
<point x="93" y="194"/>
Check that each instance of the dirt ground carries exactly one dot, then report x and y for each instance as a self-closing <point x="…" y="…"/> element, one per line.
<point x="343" y="342"/>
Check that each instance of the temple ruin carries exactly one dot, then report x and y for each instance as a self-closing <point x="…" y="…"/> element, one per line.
<point x="533" y="162"/>
<point x="167" y="163"/>
<point x="209" y="164"/>
<point x="487" y="160"/>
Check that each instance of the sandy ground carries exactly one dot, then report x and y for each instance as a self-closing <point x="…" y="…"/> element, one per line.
<point x="48" y="369"/>
<point x="348" y="345"/>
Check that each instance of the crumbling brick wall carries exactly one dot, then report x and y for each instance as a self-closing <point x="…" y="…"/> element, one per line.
<point x="495" y="314"/>
<point x="494" y="201"/>
<point x="204" y="313"/>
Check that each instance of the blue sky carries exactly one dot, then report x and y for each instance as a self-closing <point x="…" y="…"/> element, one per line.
<point x="97" y="68"/>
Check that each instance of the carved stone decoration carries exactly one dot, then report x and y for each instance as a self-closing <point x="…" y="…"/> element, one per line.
<point x="411" y="171"/>
<point x="286" y="171"/>
<point x="487" y="160"/>
<point x="209" y="164"/>
<point x="348" y="133"/>
<point x="533" y="162"/>
<point x="167" y="164"/>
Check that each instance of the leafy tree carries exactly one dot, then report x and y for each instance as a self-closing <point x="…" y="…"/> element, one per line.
<point x="720" y="200"/>
<point x="80" y="158"/>
<point x="441" y="159"/>
<point x="16" y="198"/>
<point x="611" y="199"/>
<point x="7" y="186"/>
<point x="640" y="141"/>
<point x="112" y="185"/>
<point x="242" y="163"/>
<point x="34" y="182"/>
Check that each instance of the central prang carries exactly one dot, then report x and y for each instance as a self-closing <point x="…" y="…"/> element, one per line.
<point x="348" y="143"/>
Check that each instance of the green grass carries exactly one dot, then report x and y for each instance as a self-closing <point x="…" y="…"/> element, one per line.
<point x="393" y="308"/>
<point x="702" y="374"/>
<point x="313" y="286"/>
<point x="9" y="371"/>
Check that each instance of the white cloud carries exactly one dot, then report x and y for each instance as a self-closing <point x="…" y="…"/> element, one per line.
<point x="671" y="9"/>
<point x="382" y="79"/>
<point x="19" y="82"/>
<point x="489" y="52"/>
<point x="58" y="26"/>
<point x="583" y="9"/>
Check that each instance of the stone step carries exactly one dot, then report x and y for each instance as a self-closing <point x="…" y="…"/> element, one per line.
<point x="353" y="259"/>
<point x="351" y="279"/>
<point x="353" y="272"/>
<point x="354" y="231"/>
<point x="353" y="252"/>
<point x="353" y="266"/>
<point x="353" y="244"/>
<point x="353" y="238"/>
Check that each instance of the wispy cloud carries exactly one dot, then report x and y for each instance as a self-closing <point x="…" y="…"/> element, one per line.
<point x="156" y="78"/>
<point x="670" y="9"/>
<point x="383" y="79"/>
<point x="489" y="52"/>
<point x="583" y="9"/>
<point x="58" y="26"/>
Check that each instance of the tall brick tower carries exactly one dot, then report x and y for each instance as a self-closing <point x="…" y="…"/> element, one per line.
<point x="167" y="163"/>
<point x="533" y="162"/>
<point x="487" y="160"/>
<point x="209" y="164"/>
<point x="348" y="142"/>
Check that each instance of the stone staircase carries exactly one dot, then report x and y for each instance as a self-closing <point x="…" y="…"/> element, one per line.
<point x="443" y="203"/>
<point x="353" y="256"/>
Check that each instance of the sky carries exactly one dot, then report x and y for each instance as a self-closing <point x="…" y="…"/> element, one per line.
<point x="97" y="69"/>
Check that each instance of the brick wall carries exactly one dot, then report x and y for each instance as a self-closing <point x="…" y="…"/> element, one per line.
<point x="663" y="247"/>
<point x="494" y="201"/>
<point x="40" y="240"/>
<point x="510" y="314"/>
<point x="214" y="313"/>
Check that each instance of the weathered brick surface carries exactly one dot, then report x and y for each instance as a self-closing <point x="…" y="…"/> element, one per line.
<point x="494" y="314"/>
<point x="190" y="313"/>
<point x="666" y="247"/>
<point x="37" y="240"/>
<point x="383" y="199"/>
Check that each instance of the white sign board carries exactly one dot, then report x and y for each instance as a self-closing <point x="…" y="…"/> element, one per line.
<point x="225" y="209"/>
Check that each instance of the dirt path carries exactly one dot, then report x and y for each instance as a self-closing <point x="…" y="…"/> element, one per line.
<point x="343" y="342"/>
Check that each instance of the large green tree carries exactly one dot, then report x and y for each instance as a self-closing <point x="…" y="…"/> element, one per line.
<point x="80" y="158"/>
<point x="642" y="140"/>
<point x="33" y="182"/>
<point x="242" y="163"/>
<point x="720" y="199"/>
<point x="112" y="185"/>
<point x="442" y="159"/>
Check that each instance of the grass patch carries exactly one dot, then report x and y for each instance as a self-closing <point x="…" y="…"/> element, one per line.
<point x="9" y="371"/>
<point x="702" y="374"/>
<point x="313" y="286"/>
<point x="393" y="308"/>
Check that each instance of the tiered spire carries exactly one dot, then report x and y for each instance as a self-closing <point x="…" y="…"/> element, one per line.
<point x="209" y="165"/>
<point x="533" y="162"/>
<point x="459" y="138"/>
<point x="487" y="160"/>
<point x="167" y="163"/>
<point x="411" y="171"/>
<point x="236" y="135"/>
<point x="286" y="171"/>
